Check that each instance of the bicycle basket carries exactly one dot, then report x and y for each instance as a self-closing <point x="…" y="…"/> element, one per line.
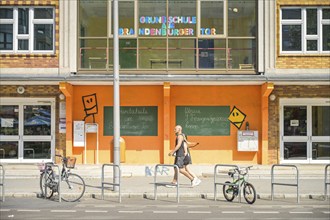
<point x="70" y="162"/>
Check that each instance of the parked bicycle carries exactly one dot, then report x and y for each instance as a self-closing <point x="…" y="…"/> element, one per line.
<point x="240" y="180"/>
<point x="72" y="185"/>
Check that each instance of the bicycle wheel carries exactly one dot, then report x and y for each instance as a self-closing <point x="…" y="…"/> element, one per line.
<point x="228" y="192"/>
<point x="48" y="181"/>
<point x="249" y="192"/>
<point x="72" y="188"/>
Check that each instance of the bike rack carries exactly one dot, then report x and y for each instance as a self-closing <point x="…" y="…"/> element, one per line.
<point x="326" y="183"/>
<point x="284" y="184"/>
<point x="108" y="183"/>
<point x="225" y="184"/>
<point x="2" y="183"/>
<point x="156" y="184"/>
<point x="50" y="164"/>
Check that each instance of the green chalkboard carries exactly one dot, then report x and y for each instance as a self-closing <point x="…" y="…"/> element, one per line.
<point x="134" y="121"/>
<point x="204" y="120"/>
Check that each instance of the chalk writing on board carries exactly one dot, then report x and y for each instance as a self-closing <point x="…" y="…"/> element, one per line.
<point x="134" y="120"/>
<point x="204" y="120"/>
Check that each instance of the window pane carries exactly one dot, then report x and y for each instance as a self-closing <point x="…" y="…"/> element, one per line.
<point x="152" y="18"/>
<point x="241" y="54"/>
<point x="9" y="119"/>
<point x="127" y="54"/>
<point x="93" y="18"/>
<point x="291" y="13"/>
<point x="212" y="20"/>
<point x="321" y="120"/>
<point x="23" y="21"/>
<point x="182" y="18"/>
<point x="326" y="13"/>
<point x="6" y="36"/>
<point x="6" y="13"/>
<point x="326" y="37"/>
<point x="152" y="53"/>
<point x="126" y="18"/>
<point x="181" y="53"/>
<point x="311" y="21"/>
<point x="321" y="151"/>
<point x="311" y="45"/>
<point x="37" y="120"/>
<point x="291" y="37"/>
<point x="43" y="37"/>
<point x="37" y="150"/>
<point x="295" y="121"/>
<point x="295" y="150"/>
<point x="241" y="18"/>
<point x="8" y="149"/>
<point x="23" y="44"/>
<point x="43" y="13"/>
<point x="93" y="53"/>
<point x="212" y="54"/>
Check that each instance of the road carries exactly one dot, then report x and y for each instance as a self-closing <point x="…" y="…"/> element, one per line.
<point x="163" y="208"/>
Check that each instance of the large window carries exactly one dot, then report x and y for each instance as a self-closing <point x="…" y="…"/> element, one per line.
<point x="305" y="30"/>
<point x="27" y="30"/>
<point x="169" y="35"/>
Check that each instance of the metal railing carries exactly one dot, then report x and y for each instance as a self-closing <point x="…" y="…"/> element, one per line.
<point x="156" y="184"/>
<point x="114" y="166"/>
<point x="326" y="183"/>
<point x="223" y="183"/>
<point x="2" y="183"/>
<point x="284" y="184"/>
<point x="52" y="165"/>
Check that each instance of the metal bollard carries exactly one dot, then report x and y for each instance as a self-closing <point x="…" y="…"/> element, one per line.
<point x="326" y="183"/>
<point x="59" y="180"/>
<point x="2" y="183"/>
<point x="229" y="184"/>
<point x="284" y="184"/>
<point x="108" y="183"/>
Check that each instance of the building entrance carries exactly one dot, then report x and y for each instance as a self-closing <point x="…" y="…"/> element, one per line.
<point x="305" y="130"/>
<point x="27" y="130"/>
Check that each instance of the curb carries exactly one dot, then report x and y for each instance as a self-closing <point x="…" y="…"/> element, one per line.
<point x="209" y="196"/>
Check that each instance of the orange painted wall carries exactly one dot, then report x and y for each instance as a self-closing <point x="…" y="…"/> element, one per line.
<point x="245" y="98"/>
<point x="129" y="96"/>
<point x="212" y="148"/>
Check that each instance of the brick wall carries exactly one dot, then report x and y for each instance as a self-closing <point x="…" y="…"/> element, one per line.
<point x="33" y="60"/>
<point x="299" y="61"/>
<point x="292" y="91"/>
<point x="39" y="91"/>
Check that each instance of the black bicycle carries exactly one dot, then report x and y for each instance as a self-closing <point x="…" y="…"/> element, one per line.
<point x="240" y="177"/>
<point x="72" y="185"/>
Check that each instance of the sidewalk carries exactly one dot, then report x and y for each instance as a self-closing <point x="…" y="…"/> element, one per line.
<point x="23" y="181"/>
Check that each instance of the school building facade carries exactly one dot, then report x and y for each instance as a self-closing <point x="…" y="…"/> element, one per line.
<point x="248" y="80"/>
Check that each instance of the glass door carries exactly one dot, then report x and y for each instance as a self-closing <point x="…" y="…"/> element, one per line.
<point x="27" y="130"/>
<point x="305" y="131"/>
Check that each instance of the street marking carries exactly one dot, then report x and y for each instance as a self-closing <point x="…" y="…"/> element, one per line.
<point x="133" y="212"/>
<point x="199" y="212"/>
<point x="4" y="210"/>
<point x="105" y="206"/>
<point x="96" y="211"/>
<point x="326" y="212"/>
<point x="265" y="212"/>
<point x="165" y="212"/>
<point x="63" y="211"/>
<point x="301" y="212"/>
<point x="232" y="212"/>
<point x="28" y="210"/>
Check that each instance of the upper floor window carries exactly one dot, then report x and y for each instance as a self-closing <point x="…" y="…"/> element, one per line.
<point x="27" y="29"/>
<point x="305" y="30"/>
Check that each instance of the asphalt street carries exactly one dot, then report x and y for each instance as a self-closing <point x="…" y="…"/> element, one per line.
<point x="163" y="208"/>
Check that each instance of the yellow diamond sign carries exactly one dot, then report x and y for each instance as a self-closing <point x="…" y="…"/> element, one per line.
<point x="236" y="117"/>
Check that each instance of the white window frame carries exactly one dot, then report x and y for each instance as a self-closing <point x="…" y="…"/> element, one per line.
<point x="304" y="36"/>
<point x="30" y="36"/>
